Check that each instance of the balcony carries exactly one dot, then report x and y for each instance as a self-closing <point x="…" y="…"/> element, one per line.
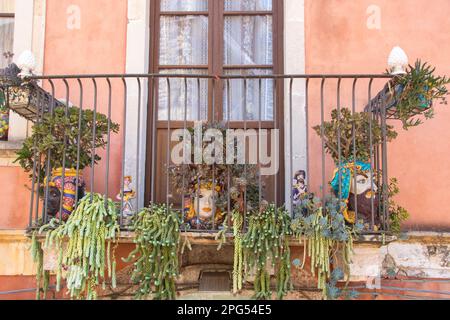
<point x="286" y="154"/>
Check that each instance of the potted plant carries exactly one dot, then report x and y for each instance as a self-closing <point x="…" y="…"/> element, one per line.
<point x="57" y="134"/>
<point x="156" y="255"/>
<point x="202" y="192"/>
<point x="85" y="245"/>
<point x="354" y="157"/>
<point x="4" y="117"/>
<point x="410" y="96"/>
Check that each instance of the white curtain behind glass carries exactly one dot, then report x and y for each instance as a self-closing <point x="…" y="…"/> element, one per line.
<point x="184" y="5"/>
<point x="246" y="106"/>
<point x="248" y="41"/>
<point x="248" y="5"/>
<point x="6" y="41"/>
<point x="183" y="41"/>
<point x="196" y="106"/>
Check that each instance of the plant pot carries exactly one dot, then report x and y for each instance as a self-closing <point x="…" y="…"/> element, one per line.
<point x="72" y="191"/>
<point x="364" y="191"/>
<point x="199" y="209"/>
<point x="4" y="124"/>
<point x="393" y="98"/>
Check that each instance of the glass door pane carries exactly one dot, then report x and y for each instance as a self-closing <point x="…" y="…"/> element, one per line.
<point x="245" y="105"/>
<point x="184" y="40"/>
<point x="6" y="41"/>
<point x="248" y="5"/>
<point x="197" y="96"/>
<point x="248" y="40"/>
<point x="184" y="5"/>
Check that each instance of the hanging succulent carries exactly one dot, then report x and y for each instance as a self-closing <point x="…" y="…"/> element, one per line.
<point x="267" y="241"/>
<point x="238" y="222"/>
<point x="42" y="276"/>
<point x="411" y="95"/>
<point x="157" y="238"/>
<point x="327" y="235"/>
<point x="89" y="232"/>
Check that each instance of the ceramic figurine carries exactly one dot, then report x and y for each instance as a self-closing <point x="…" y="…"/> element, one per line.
<point x="299" y="186"/>
<point x="128" y="195"/>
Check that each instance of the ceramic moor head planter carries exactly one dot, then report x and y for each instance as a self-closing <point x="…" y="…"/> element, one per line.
<point x="201" y="209"/>
<point x="71" y="187"/>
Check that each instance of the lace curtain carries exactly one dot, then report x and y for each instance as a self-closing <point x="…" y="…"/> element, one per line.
<point x="248" y="5"/>
<point x="6" y="41"/>
<point x="183" y="41"/>
<point x="247" y="41"/>
<point x="184" y="5"/>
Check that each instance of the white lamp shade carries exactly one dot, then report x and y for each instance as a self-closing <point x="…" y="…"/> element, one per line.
<point x="26" y="62"/>
<point x="398" y="61"/>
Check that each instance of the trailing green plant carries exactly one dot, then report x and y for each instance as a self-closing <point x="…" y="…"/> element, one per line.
<point x="58" y="133"/>
<point x="42" y="276"/>
<point x="334" y="291"/>
<point x="89" y="231"/>
<point x="157" y="238"/>
<point x="265" y="244"/>
<point x="418" y="88"/>
<point x="238" y="268"/>
<point x="326" y="235"/>
<point x="345" y="123"/>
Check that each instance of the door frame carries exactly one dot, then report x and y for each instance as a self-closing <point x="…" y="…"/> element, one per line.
<point x="214" y="34"/>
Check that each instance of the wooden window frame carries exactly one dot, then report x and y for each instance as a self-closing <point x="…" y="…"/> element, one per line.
<point x="215" y="66"/>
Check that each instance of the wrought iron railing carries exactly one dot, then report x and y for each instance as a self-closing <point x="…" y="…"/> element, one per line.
<point x="150" y="107"/>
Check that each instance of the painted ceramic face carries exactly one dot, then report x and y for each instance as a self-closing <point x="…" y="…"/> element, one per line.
<point x="362" y="185"/>
<point x="203" y="204"/>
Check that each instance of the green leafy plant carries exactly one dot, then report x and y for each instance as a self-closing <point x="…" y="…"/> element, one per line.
<point x="157" y="238"/>
<point x="89" y="232"/>
<point x="58" y="133"/>
<point x="346" y="123"/>
<point x="267" y="243"/>
<point x="326" y="236"/>
<point x="412" y="94"/>
<point x="397" y="214"/>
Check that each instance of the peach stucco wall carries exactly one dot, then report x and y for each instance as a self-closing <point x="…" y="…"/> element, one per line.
<point x="98" y="46"/>
<point x="14" y="198"/>
<point x="339" y="41"/>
